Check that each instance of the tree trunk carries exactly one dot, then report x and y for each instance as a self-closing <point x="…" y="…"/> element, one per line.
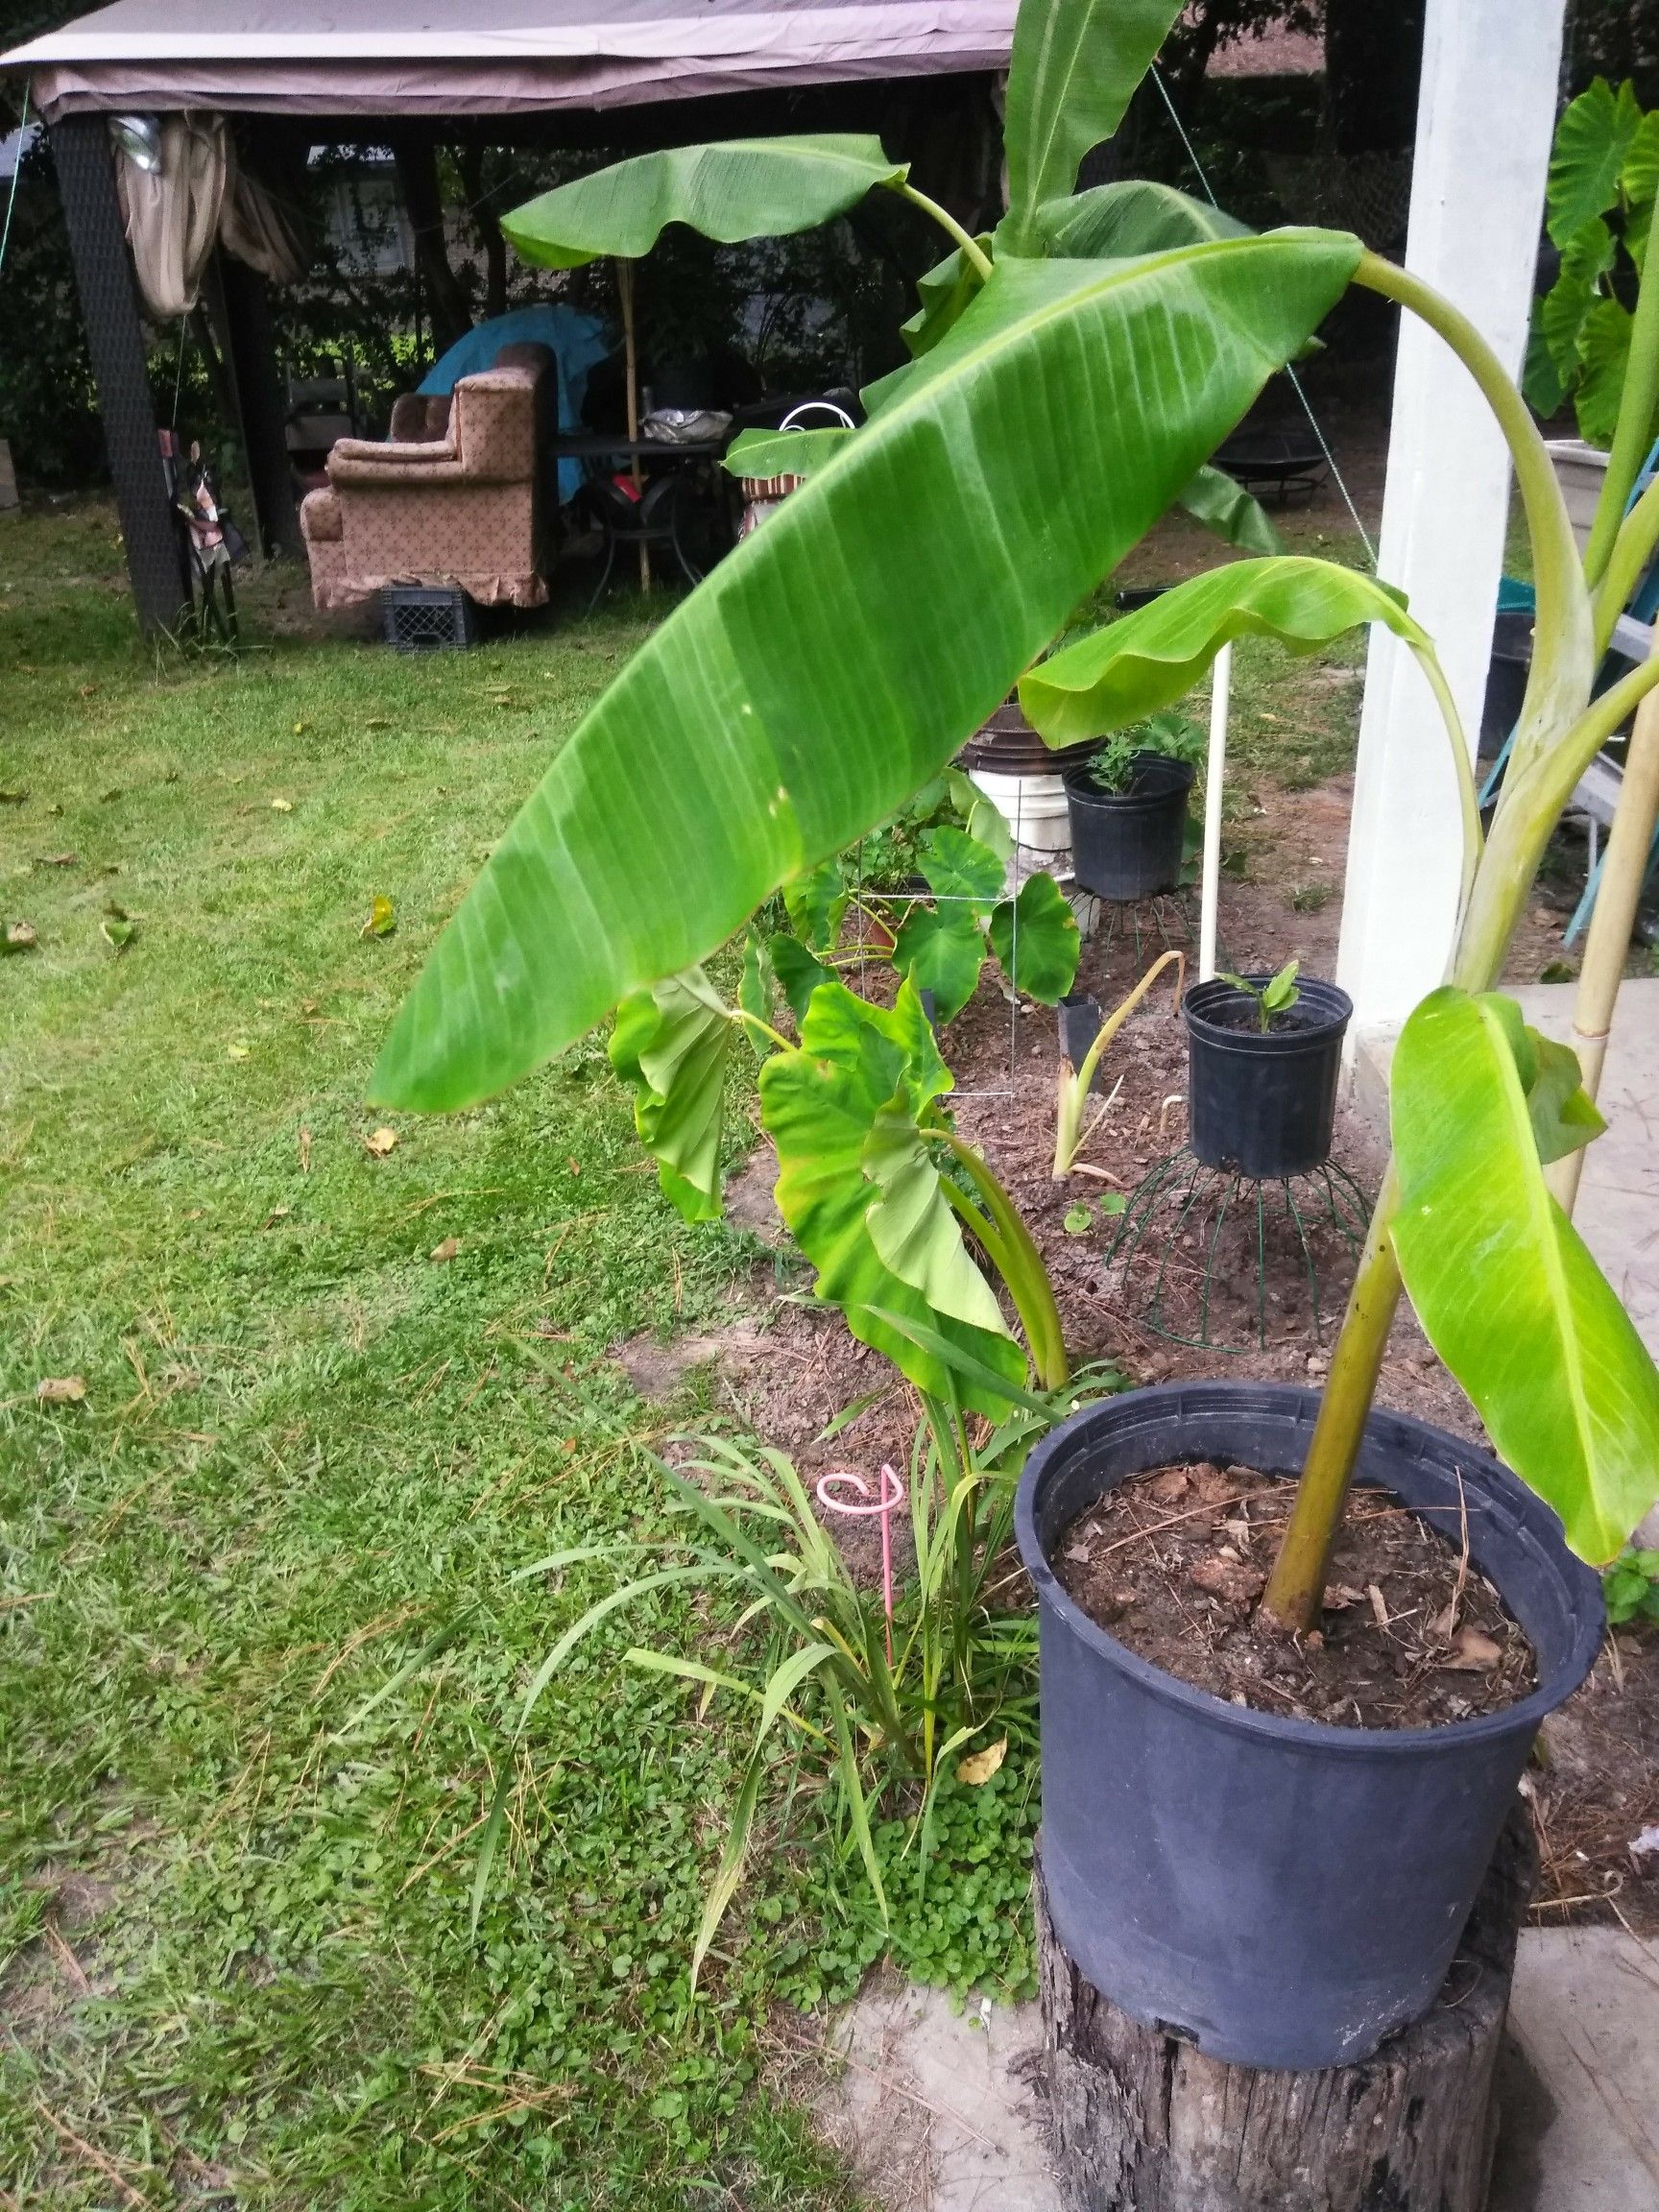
<point x="418" y="174"/>
<point x="1143" y="2123"/>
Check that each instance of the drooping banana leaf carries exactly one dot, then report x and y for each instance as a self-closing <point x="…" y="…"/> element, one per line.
<point x="1134" y="215"/>
<point x="945" y="293"/>
<point x="1036" y="940"/>
<point x="1074" y="70"/>
<point x="1504" y="1286"/>
<point x="1153" y="656"/>
<point x="1563" y="1114"/>
<point x="834" y="1109"/>
<point x="747" y="188"/>
<point x="840" y="656"/>
<point x="1236" y="517"/>
<point x="671" y="1045"/>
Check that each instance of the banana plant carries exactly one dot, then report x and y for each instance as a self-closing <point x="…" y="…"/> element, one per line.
<point x="840" y="657"/>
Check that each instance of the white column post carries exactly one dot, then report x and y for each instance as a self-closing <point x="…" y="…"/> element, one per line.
<point x="1485" y="116"/>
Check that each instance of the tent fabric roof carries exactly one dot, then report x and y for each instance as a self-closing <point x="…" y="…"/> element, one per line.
<point x="492" y="57"/>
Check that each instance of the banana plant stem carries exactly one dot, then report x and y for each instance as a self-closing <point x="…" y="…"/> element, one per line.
<point x="1629" y="843"/>
<point x="971" y="249"/>
<point x="1296" y="1585"/>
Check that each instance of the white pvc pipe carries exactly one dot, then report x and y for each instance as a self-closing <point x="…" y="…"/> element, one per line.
<point x="1215" y="774"/>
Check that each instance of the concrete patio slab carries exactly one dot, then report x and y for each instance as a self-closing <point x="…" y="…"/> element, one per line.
<point x="942" y="2111"/>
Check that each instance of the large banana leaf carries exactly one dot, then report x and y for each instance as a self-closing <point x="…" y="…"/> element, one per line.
<point x="749" y="188"/>
<point x="1072" y="73"/>
<point x="1503" y="1286"/>
<point x="840" y="656"/>
<point x="862" y="1196"/>
<point x="1131" y="668"/>
<point x="945" y="293"/>
<point x="1134" y="215"/>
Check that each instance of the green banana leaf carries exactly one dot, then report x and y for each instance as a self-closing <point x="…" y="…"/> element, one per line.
<point x="764" y="454"/>
<point x="1563" y="1114"/>
<point x="1235" y="516"/>
<point x="832" y="1110"/>
<point x="1134" y="215"/>
<point x="671" y="1045"/>
<point x="840" y="656"/>
<point x="1036" y="940"/>
<point x="1075" y="68"/>
<point x="1504" y="1286"/>
<point x="1128" y="670"/>
<point x="746" y="188"/>
<point x="945" y="292"/>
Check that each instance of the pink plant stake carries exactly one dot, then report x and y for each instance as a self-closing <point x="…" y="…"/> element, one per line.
<point x="892" y="1494"/>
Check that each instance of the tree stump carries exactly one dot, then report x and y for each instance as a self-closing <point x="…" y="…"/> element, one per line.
<point x="1144" y="2123"/>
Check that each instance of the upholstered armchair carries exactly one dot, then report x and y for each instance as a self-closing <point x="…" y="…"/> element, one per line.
<point x="453" y="497"/>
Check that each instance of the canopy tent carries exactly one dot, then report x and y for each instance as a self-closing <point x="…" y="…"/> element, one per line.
<point x="492" y="57"/>
<point x="573" y="71"/>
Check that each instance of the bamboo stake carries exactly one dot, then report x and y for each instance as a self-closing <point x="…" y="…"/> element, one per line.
<point x="1629" y="842"/>
<point x="1210" y="894"/>
<point x="625" y="285"/>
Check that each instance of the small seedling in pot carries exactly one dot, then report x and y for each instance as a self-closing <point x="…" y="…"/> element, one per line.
<point x="1171" y="736"/>
<point x="1277" y="996"/>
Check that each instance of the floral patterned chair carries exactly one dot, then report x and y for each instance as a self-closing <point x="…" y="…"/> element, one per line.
<point x="454" y="496"/>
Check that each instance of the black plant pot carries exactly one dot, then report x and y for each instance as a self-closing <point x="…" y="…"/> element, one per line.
<point x="1127" y="844"/>
<point x="1264" y="1101"/>
<point x="1506" y="677"/>
<point x="1282" y="1892"/>
<point x="1080" y="1021"/>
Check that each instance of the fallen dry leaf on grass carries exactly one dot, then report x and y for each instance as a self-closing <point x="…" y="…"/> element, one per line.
<point x="982" y="1764"/>
<point x="304" y="1151"/>
<point x="238" y="1052"/>
<point x="447" y="1250"/>
<point x="281" y="806"/>
<point x="380" y="1141"/>
<point x="61" y="1389"/>
<point x="382" y="918"/>
<point x="57" y="860"/>
<point x="18" y="937"/>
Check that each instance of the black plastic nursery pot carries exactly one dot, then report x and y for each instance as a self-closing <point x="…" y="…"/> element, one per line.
<point x="1127" y="844"/>
<point x="1281" y="1893"/>
<point x="1264" y="1101"/>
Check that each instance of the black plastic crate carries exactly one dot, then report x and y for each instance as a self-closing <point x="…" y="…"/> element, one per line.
<point x="428" y="618"/>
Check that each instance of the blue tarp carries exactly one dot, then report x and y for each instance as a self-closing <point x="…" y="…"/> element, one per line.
<point x="575" y="340"/>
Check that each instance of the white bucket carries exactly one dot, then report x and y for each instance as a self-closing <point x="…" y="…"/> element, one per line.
<point x="1033" y="806"/>
<point x="1581" y="470"/>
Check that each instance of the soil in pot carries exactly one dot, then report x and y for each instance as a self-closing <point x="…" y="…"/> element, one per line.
<point x="1172" y="1564"/>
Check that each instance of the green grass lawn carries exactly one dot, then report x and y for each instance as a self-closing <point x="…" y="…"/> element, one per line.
<point x="333" y="1396"/>
<point x="233" y="1940"/>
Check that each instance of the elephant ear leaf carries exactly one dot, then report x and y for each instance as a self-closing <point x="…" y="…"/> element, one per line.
<point x="1074" y="70"/>
<point x="747" y="188"/>
<point x="799" y="971"/>
<point x="1504" y="1286"/>
<point x="842" y="1111"/>
<point x="1134" y="668"/>
<point x="1593" y="141"/>
<point x="942" y="949"/>
<point x="1036" y="939"/>
<point x="671" y="1045"/>
<point x="958" y="866"/>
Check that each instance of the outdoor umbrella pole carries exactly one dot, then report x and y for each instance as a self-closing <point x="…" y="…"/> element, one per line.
<point x="625" y="285"/>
